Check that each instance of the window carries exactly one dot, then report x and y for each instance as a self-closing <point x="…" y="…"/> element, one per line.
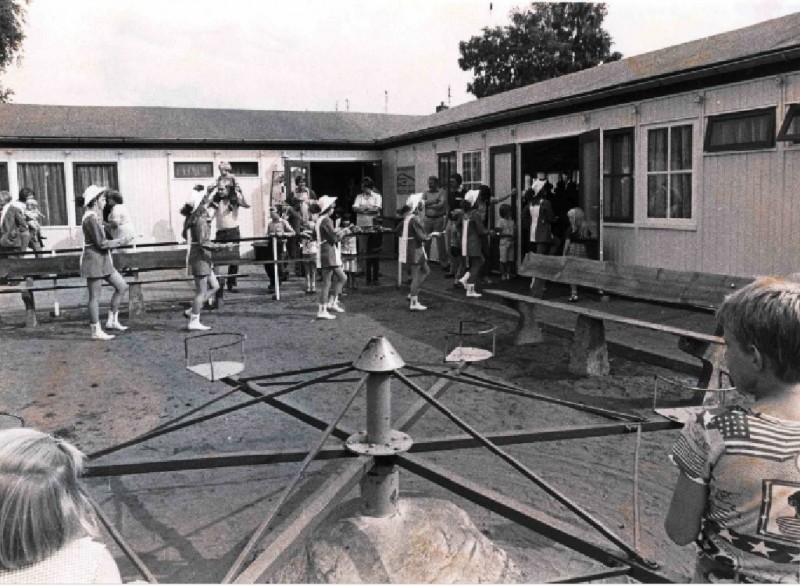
<point x="447" y="166"/>
<point x="86" y="174"/>
<point x="790" y="129"/>
<point x="194" y="170"/>
<point x="741" y="131"/>
<point x="669" y="172"/>
<point x="47" y="182"/>
<point x="471" y="170"/>
<point x="3" y="176"/>
<point x="618" y="175"/>
<point x="244" y="168"/>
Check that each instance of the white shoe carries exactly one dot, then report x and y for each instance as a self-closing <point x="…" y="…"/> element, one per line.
<point x="99" y="334"/>
<point x="115" y="325"/>
<point x="417" y="306"/>
<point x="471" y="291"/>
<point x="195" y="325"/>
<point x="336" y="307"/>
<point x="463" y="280"/>
<point x="325" y="315"/>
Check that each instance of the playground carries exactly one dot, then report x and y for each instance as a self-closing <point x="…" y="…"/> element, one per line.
<point x="191" y="525"/>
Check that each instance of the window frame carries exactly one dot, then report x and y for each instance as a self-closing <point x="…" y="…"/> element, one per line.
<point x="192" y="162"/>
<point x="669" y="222"/>
<point x="783" y="134"/>
<point x="5" y="178"/>
<point x="769" y="111"/>
<point x="239" y="174"/>
<point x="631" y="130"/>
<point x="472" y="183"/>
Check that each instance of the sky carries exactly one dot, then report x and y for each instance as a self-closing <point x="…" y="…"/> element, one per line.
<point x="303" y="54"/>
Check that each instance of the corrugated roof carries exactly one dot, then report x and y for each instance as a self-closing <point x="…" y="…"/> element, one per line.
<point x="187" y="124"/>
<point x="192" y="124"/>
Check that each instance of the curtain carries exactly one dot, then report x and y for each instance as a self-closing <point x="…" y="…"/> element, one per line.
<point x="86" y="174"/>
<point x="47" y="182"/>
<point x="3" y="176"/>
<point x="742" y="131"/>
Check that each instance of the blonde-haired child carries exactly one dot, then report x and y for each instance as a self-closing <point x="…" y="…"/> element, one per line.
<point x="46" y="521"/>
<point x="575" y="243"/>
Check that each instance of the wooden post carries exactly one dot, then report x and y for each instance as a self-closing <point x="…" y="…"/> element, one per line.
<point x="589" y="354"/>
<point x="30" y="303"/>
<point x="136" y="307"/>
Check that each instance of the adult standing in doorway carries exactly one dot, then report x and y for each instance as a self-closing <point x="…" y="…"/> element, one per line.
<point x="565" y="197"/>
<point x="537" y="218"/>
<point x="435" y="201"/>
<point x="299" y="200"/>
<point x="228" y="197"/>
<point x="96" y="262"/>
<point x="368" y="206"/>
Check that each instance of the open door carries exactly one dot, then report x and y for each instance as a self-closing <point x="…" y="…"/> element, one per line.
<point x="589" y="187"/>
<point x="502" y="179"/>
<point x="294" y="168"/>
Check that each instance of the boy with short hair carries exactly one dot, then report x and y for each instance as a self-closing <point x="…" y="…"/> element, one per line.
<point x="738" y="491"/>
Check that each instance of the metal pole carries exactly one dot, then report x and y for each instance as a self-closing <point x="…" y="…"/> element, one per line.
<point x="276" y="271"/>
<point x="379" y="408"/>
<point x="381" y="485"/>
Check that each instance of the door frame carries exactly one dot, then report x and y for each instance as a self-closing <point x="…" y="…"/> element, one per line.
<point x="592" y="136"/>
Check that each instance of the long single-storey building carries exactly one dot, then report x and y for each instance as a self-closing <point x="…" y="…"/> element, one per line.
<point x="686" y="158"/>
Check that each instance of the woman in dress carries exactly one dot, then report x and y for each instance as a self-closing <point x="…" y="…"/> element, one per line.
<point x="413" y="238"/>
<point x="46" y="521"/>
<point x="472" y="232"/>
<point x="96" y="263"/>
<point x="197" y="232"/>
<point x="329" y="259"/>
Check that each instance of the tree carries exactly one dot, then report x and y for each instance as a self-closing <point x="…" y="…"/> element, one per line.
<point x="543" y="41"/>
<point x="12" y="19"/>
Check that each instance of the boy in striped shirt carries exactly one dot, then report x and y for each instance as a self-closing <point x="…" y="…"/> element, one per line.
<point x="738" y="491"/>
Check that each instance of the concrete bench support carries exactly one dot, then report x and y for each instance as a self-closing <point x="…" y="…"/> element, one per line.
<point x="712" y="357"/>
<point x="528" y="330"/>
<point x="589" y="353"/>
<point x="136" y="307"/>
<point x="30" y="304"/>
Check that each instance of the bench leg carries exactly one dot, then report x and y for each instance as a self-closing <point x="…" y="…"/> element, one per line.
<point x="528" y="330"/>
<point x="30" y="305"/>
<point x="589" y="353"/>
<point x="136" y="307"/>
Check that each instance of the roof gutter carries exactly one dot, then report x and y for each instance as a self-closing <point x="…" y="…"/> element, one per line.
<point x="496" y="118"/>
<point x="186" y="142"/>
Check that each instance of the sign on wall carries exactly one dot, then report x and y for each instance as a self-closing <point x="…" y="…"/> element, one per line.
<point x="405" y="180"/>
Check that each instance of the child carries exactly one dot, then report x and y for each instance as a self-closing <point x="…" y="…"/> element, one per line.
<point x="575" y="245"/>
<point x="32" y="216"/>
<point x="454" y="238"/>
<point x="349" y="255"/>
<point x="279" y="228"/>
<point x="309" y="248"/>
<point x="119" y="219"/>
<point x="737" y="494"/>
<point x="505" y="232"/>
<point x="46" y="521"/>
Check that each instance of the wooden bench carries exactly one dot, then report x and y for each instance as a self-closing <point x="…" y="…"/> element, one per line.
<point x="20" y="274"/>
<point x="589" y="353"/>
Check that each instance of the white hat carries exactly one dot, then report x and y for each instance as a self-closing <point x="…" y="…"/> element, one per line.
<point x="91" y="193"/>
<point x="326" y="202"/>
<point x="413" y="200"/>
<point x="471" y="196"/>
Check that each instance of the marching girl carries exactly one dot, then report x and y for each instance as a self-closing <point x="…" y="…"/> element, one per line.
<point x="329" y="259"/>
<point x="197" y="231"/>
<point x="96" y="263"/>
<point x="472" y="233"/>
<point x="309" y="247"/>
<point x="412" y="246"/>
